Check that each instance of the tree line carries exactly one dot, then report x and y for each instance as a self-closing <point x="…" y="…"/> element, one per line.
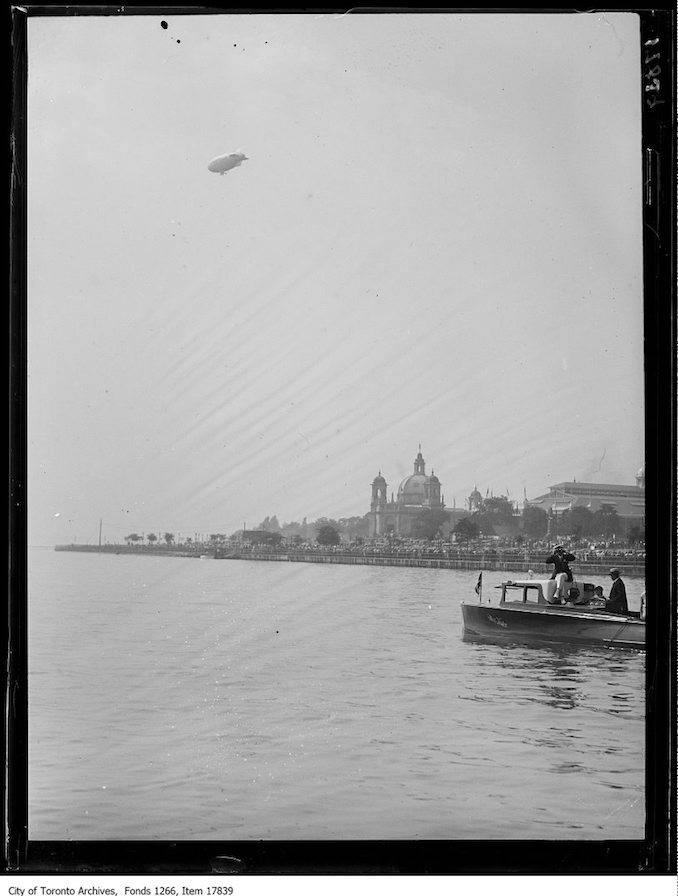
<point x="495" y="516"/>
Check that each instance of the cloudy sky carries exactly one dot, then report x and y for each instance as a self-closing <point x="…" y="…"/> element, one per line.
<point x="436" y="239"/>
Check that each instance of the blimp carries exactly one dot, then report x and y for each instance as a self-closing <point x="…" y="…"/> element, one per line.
<point x="222" y="164"/>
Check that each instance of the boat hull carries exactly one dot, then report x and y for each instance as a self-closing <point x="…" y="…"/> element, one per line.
<point x="553" y="625"/>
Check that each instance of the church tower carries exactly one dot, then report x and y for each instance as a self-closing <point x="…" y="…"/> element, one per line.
<point x="378" y="505"/>
<point x="432" y="492"/>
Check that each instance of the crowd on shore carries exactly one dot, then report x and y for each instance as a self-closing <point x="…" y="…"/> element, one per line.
<point x="414" y="549"/>
<point x="491" y="550"/>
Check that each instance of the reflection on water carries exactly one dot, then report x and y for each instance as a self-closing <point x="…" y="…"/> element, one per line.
<point x="175" y="699"/>
<point x="562" y="676"/>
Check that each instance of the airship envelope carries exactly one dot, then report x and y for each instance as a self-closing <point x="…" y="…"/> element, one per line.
<point x="222" y="164"/>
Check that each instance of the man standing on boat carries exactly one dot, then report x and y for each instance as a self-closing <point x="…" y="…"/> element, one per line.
<point x="616" y="602"/>
<point x="561" y="570"/>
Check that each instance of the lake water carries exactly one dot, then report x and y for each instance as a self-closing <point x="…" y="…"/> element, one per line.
<point x="174" y="698"/>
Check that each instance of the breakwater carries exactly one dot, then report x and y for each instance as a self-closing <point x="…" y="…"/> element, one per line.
<point x="469" y="562"/>
<point x="145" y="550"/>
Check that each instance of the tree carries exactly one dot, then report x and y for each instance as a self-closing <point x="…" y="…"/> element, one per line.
<point x="496" y="512"/>
<point x="133" y="538"/>
<point x="324" y="521"/>
<point x="606" y="521"/>
<point x="500" y="507"/>
<point x="169" y="538"/>
<point x="428" y="523"/>
<point x="535" y="521"/>
<point x="485" y="522"/>
<point x="577" y="522"/>
<point x="466" y="529"/>
<point x="352" y="527"/>
<point x="327" y="535"/>
<point x="151" y="538"/>
<point x="291" y="530"/>
<point x="582" y="520"/>
<point x="636" y="535"/>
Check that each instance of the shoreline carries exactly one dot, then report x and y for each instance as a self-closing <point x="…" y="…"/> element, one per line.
<point x="469" y="563"/>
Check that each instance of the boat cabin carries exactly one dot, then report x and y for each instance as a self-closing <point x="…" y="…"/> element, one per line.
<point x="542" y="591"/>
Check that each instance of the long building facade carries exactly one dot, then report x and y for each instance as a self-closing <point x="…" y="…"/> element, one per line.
<point x="627" y="500"/>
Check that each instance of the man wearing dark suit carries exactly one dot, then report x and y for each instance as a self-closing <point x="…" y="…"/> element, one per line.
<point x="561" y="571"/>
<point x="561" y="560"/>
<point x="616" y="602"/>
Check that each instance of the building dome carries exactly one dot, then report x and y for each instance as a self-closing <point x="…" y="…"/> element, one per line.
<point x="412" y="489"/>
<point x="475" y="499"/>
<point x="416" y="493"/>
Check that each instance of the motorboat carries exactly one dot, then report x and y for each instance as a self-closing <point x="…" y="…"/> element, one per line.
<point x="529" y="610"/>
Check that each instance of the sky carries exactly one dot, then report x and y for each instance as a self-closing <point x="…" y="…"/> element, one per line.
<point x="436" y="240"/>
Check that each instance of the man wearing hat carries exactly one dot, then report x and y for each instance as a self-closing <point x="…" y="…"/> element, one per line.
<point x="616" y="602"/>
<point x="561" y="570"/>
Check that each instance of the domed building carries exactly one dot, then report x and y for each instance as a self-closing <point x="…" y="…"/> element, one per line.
<point x="415" y="493"/>
<point x="475" y="500"/>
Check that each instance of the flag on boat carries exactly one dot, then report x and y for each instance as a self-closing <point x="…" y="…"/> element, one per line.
<point x="479" y="586"/>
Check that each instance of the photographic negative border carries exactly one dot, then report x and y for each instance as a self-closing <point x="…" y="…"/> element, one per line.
<point x="654" y="854"/>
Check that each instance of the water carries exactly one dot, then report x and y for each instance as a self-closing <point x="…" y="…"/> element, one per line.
<point x="174" y="698"/>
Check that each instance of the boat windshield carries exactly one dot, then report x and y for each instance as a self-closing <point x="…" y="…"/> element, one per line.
<point x="523" y="592"/>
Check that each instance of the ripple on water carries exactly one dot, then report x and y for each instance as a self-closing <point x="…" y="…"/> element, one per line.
<point x="290" y="701"/>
